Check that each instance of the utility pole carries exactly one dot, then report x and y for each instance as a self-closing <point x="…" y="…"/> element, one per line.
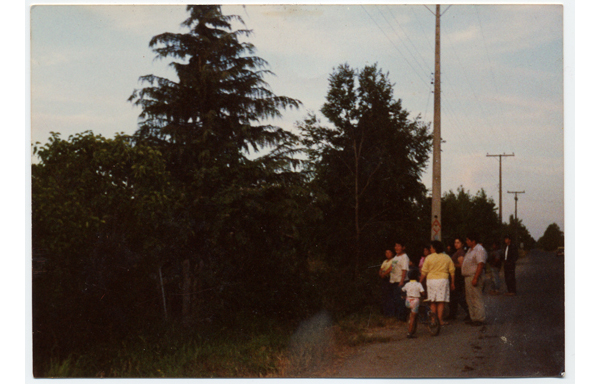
<point x="436" y="188"/>
<point x="500" y="186"/>
<point x="516" y="225"/>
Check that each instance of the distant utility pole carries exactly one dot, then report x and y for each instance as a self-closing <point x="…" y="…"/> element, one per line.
<point x="436" y="187"/>
<point x="500" y="186"/>
<point x="516" y="226"/>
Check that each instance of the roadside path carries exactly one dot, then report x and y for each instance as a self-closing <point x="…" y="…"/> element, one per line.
<point x="523" y="336"/>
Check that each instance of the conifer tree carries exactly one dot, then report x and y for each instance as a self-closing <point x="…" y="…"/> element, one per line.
<point x="217" y="107"/>
<point x="206" y="123"/>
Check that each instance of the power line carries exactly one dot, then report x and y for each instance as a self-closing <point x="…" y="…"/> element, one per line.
<point x="421" y="26"/>
<point x="390" y="40"/>
<point x="446" y="10"/>
<point x="409" y="39"/>
<point x="493" y="75"/>
<point x="429" y="9"/>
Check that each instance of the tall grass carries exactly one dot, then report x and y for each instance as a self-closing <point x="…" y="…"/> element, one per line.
<point x="256" y="349"/>
<point x="178" y="354"/>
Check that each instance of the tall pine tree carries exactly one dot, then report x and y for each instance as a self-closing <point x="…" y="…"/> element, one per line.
<point x="206" y="123"/>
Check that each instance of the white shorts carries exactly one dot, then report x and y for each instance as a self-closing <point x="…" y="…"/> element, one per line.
<point x="438" y="290"/>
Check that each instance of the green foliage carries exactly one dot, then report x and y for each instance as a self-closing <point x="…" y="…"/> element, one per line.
<point x="179" y="207"/>
<point x="553" y="238"/>
<point x="365" y="170"/>
<point x="240" y="216"/>
<point x="258" y="351"/>
<point x="516" y="228"/>
<point x="99" y="209"/>
<point x="463" y="213"/>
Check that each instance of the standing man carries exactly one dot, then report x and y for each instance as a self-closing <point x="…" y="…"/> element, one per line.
<point x="472" y="269"/>
<point x="511" y="254"/>
<point x="399" y="276"/>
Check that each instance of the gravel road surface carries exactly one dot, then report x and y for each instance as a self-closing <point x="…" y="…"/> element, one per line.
<point x="524" y="336"/>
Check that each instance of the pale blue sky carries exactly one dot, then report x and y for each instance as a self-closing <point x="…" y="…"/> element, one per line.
<point x="581" y="181"/>
<point x="502" y="79"/>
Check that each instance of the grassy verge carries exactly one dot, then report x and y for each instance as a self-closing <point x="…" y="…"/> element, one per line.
<point x="264" y="350"/>
<point x="179" y="354"/>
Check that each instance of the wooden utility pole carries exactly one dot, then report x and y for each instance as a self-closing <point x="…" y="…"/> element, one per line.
<point x="436" y="188"/>
<point x="500" y="186"/>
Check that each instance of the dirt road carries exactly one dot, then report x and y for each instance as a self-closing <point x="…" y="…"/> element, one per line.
<point x="523" y="336"/>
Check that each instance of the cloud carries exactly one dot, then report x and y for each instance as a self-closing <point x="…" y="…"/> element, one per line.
<point x="467" y="35"/>
<point x="140" y="19"/>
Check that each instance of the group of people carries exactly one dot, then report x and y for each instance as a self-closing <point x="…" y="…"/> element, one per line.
<point x="450" y="280"/>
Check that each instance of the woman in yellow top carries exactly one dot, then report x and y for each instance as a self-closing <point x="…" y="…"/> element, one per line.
<point x="437" y="268"/>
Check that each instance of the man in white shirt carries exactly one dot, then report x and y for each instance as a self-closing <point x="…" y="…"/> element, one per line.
<point x="472" y="269"/>
<point x="399" y="276"/>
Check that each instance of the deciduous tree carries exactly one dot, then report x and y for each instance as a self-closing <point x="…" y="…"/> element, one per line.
<point x="368" y="163"/>
<point x="464" y="213"/>
<point x="100" y="210"/>
<point x="553" y="238"/>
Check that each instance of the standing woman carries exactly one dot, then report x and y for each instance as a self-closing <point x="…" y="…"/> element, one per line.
<point x="438" y="267"/>
<point x="387" y="288"/>
<point x="458" y="295"/>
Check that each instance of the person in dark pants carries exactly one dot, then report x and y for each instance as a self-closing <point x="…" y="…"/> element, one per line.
<point x="387" y="288"/>
<point x="510" y="255"/>
<point x="458" y="295"/>
<point x="398" y="277"/>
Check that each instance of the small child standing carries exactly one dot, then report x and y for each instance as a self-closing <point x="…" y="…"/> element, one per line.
<point x="414" y="291"/>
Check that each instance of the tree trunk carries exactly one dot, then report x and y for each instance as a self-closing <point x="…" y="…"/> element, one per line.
<point x="187" y="283"/>
<point x="356" y="208"/>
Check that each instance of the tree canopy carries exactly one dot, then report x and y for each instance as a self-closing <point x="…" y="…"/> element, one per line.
<point x="176" y="220"/>
<point x="367" y="165"/>
<point x="99" y="223"/>
<point x="552" y="238"/>
<point x="464" y="213"/>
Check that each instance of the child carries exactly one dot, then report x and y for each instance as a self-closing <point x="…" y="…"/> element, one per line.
<point x="414" y="291"/>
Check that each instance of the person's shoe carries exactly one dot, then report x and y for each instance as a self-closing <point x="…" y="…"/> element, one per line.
<point x="476" y="323"/>
<point x="494" y="293"/>
<point x="411" y="336"/>
<point x="468" y="321"/>
<point x="510" y="294"/>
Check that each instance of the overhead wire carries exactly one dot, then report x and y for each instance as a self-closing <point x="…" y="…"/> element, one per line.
<point x="454" y="121"/>
<point x="408" y="37"/>
<point x="421" y="26"/>
<point x="493" y="76"/>
<point x="394" y="45"/>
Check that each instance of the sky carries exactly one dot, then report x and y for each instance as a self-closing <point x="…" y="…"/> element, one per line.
<point x="501" y="72"/>
<point x="31" y="107"/>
